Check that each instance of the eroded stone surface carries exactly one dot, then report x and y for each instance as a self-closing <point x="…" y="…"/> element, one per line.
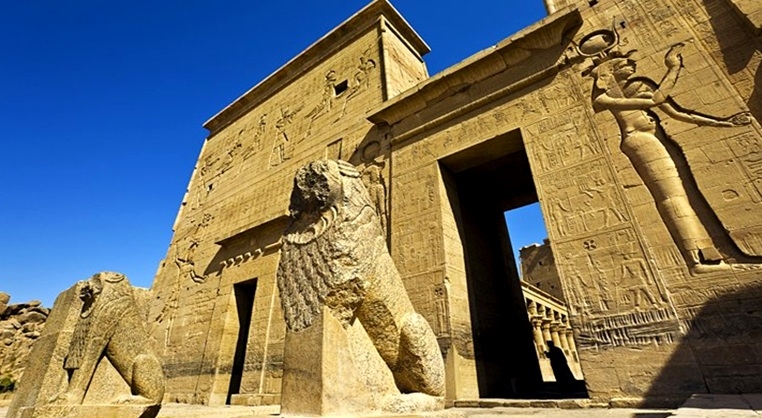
<point x="20" y="326"/>
<point x="339" y="288"/>
<point x="657" y="251"/>
<point x="94" y="357"/>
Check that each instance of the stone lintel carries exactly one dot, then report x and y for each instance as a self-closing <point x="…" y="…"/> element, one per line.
<point x="547" y="33"/>
<point x="232" y="239"/>
<point x="335" y="40"/>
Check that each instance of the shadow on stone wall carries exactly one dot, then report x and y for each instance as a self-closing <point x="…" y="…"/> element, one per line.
<point x="737" y="50"/>
<point x="721" y="352"/>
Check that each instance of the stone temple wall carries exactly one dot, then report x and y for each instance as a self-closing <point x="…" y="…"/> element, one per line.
<point x="634" y="123"/>
<point x="220" y="328"/>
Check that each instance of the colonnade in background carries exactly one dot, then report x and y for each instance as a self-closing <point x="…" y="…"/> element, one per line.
<point x="550" y="322"/>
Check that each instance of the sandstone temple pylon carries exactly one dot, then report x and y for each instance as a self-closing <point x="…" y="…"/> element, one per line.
<point x="634" y="124"/>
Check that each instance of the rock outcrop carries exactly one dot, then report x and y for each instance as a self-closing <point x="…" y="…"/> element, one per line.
<point x="20" y="325"/>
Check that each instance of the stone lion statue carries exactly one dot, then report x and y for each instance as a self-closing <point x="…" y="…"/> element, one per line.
<point x="110" y="325"/>
<point x="334" y="255"/>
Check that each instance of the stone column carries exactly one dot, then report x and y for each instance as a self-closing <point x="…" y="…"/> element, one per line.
<point x="554" y="327"/>
<point x="569" y="334"/>
<point x="546" y="329"/>
<point x="537" y="332"/>
<point x="562" y="334"/>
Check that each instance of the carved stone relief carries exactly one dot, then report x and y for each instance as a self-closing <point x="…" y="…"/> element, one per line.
<point x="232" y="153"/>
<point x="442" y="308"/>
<point x="587" y="200"/>
<point x="205" y="184"/>
<point x="631" y="100"/>
<point x="563" y="140"/>
<point x="259" y="134"/>
<point x="326" y="101"/>
<point x="361" y="77"/>
<point x="374" y="181"/>
<point x="613" y="292"/>
<point x="186" y="265"/>
<point x="283" y="145"/>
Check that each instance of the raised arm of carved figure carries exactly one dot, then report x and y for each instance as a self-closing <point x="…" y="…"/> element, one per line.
<point x="675" y="112"/>
<point x="674" y="62"/>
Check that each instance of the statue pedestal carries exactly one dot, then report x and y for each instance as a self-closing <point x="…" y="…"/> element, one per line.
<point x="90" y="411"/>
<point x="329" y="370"/>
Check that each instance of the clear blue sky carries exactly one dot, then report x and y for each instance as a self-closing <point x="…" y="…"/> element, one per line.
<point x="102" y="105"/>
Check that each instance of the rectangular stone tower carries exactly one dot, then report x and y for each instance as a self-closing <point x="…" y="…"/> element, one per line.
<point x="221" y="326"/>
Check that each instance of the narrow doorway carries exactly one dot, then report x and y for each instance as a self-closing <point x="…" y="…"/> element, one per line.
<point x="244" y="300"/>
<point x="485" y="181"/>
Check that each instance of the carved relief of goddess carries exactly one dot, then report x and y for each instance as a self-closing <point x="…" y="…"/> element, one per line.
<point x="631" y="100"/>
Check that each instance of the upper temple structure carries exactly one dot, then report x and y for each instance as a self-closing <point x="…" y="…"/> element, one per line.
<point x="634" y="124"/>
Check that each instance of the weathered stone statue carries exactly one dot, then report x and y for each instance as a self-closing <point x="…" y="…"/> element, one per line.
<point x="631" y="101"/>
<point x="89" y="350"/>
<point x="351" y="325"/>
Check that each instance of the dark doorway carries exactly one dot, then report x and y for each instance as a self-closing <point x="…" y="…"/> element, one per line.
<point x="244" y="301"/>
<point x="486" y="181"/>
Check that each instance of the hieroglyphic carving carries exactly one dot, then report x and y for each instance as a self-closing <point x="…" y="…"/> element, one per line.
<point x="205" y="185"/>
<point x="326" y="101"/>
<point x="748" y="148"/>
<point x="361" y="81"/>
<point x="559" y="95"/>
<point x="442" y="325"/>
<point x="563" y="140"/>
<point x="232" y="153"/>
<point x="361" y="77"/>
<point x="642" y="28"/>
<point x="185" y="262"/>
<point x="630" y="100"/>
<point x="186" y="265"/>
<point x="586" y="200"/>
<point x="418" y="245"/>
<point x="335" y="256"/>
<point x="638" y="285"/>
<point x="256" y="144"/>
<point x="374" y="182"/>
<point x="282" y="145"/>
<point x="612" y="290"/>
<point x="662" y="17"/>
<point x="417" y="191"/>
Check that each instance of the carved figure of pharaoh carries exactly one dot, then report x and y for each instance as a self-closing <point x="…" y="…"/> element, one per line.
<point x="334" y="258"/>
<point x="110" y="325"/>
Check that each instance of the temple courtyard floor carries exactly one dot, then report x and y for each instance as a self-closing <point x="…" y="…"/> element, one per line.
<point x="725" y="406"/>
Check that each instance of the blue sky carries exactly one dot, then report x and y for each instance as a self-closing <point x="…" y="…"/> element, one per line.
<point x="102" y="105"/>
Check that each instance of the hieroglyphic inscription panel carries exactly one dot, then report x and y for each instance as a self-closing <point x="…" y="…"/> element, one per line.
<point x="614" y="294"/>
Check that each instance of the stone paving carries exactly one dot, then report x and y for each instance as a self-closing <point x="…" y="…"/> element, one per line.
<point x="699" y="406"/>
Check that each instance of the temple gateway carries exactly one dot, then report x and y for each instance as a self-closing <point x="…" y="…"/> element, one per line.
<point x="634" y="124"/>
